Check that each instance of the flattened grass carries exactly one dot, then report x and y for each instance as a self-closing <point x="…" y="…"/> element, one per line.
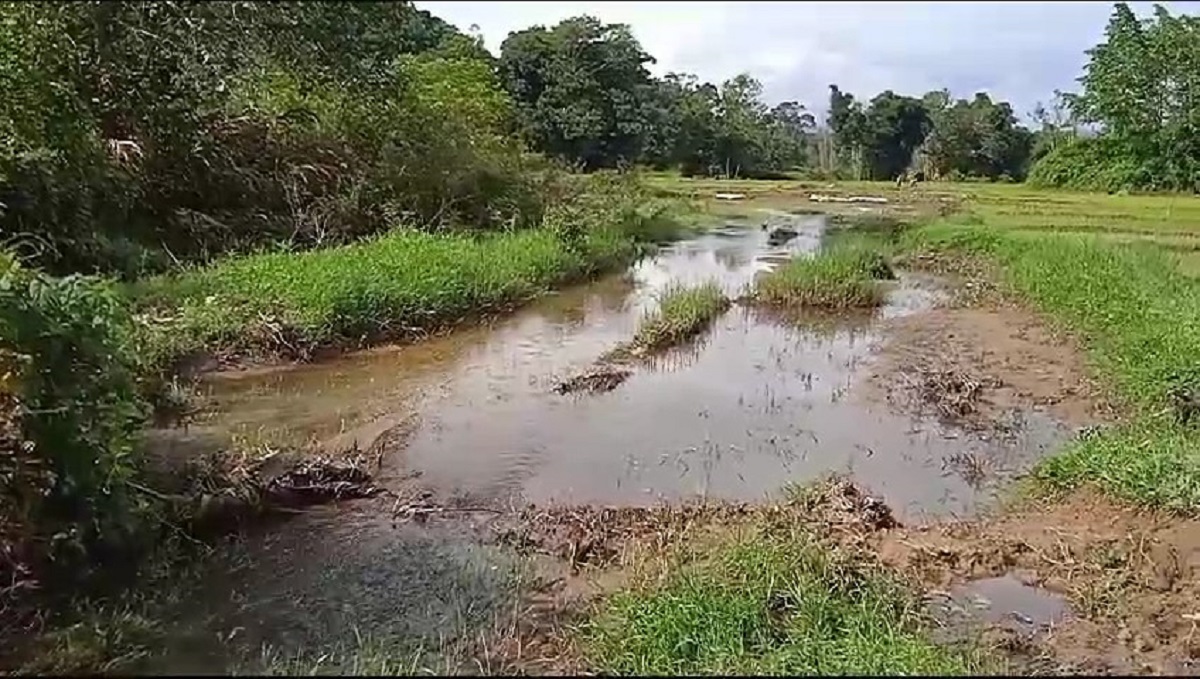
<point x="683" y="312"/>
<point x="768" y="605"/>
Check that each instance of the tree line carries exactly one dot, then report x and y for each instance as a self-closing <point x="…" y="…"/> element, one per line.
<point x="583" y="94"/>
<point x="136" y="136"/>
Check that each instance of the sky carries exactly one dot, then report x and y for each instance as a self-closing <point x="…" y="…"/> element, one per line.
<point x="1020" y="52"/>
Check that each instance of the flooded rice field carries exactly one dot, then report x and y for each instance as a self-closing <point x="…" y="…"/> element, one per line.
<point x="757" y="402"/>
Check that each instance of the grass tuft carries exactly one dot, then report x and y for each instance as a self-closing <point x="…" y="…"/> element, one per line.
<point x="683" y="312"/>
<point x="844" y="276"/>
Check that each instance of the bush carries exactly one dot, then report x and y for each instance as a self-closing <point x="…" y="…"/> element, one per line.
<point x="1087" y="164"/>
<point x="72" y="414"/>
<point x="226" y="127"/>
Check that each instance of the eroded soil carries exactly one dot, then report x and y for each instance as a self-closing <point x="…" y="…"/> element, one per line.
<point x="1132" y="577"/>
<point x="1001" y="356"/>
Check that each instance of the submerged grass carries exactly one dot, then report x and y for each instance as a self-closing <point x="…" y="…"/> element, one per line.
<point x="843" y="275"/>
<point x="683" y="312"/>
<point x="1139" y="317"/>
<point x="768" y="605"/>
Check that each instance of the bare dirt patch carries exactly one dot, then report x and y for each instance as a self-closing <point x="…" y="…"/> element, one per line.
<point x="1132" y="577"/>
<point x="973" y="364"/>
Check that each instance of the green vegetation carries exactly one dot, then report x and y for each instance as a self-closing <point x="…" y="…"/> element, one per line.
<point x="1138" y="314"/>
<point x="842" y="275"/>
<point x="399" y="285"/>
<point x="280" y="177"/>
<point x="583" y="94"/>
<point x="1139" y="85"/>
<point x="763" y="604"/>
<point x="137" y="136"/>
<point x="72" y="414"/>
<point x="683" y="312"/>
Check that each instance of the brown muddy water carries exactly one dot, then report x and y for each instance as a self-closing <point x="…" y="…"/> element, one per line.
<point x="756" y="403"/>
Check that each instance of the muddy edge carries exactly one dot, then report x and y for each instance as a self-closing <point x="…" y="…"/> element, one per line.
<point x="1125" y="579"/>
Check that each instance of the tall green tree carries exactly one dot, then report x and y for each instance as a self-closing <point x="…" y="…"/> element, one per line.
<point x="581" y="88"/>
<point x="894" y="127"/>
<point x="1141" y="90"/>
<point x="974" y="138"/>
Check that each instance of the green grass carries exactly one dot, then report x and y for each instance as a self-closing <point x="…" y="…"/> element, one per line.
<point x="683" y="312"/>
<point x="400" y="284"/>
<point x="1139" y="317"/>
<point x="843" y="275"/>
<point x="768" y="605"/>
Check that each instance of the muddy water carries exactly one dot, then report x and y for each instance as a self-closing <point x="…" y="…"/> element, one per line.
<point x="756" y="403"/>
<point x="1003" y="602"/>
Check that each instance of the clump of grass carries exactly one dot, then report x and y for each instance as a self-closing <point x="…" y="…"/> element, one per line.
<point x="842" y="277"/>
<point x="768" y="605"/>
<point x="683" y="312"/>
<point x="1139" y="317"/>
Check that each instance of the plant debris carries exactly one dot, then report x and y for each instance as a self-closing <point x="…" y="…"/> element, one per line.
<point x="225" y="487"/>
<point x="590" y="535"/>
<point x="599" y="379"/>
<point x="317" y="481"/>
<point x="954" y="394"/>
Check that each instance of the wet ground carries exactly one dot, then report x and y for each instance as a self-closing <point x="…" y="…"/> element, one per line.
<point x="756" y="403"/>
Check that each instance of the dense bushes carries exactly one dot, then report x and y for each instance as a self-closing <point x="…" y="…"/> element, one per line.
<point x="140" y="135"/>
<point x="1094" y="164"/>
<point x="71" y="413"/>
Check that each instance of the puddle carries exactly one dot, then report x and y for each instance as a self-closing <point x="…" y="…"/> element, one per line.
<point x="1002" y="601"/>
<point x="757" y="402"/>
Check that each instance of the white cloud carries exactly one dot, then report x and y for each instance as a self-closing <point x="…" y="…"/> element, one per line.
<point x="1018" y="51"/>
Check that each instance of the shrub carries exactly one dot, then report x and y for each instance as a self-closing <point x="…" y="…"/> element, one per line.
<point x="71" y="415"/>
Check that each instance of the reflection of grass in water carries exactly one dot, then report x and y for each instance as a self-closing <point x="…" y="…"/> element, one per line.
<point x="766" y="604"/>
